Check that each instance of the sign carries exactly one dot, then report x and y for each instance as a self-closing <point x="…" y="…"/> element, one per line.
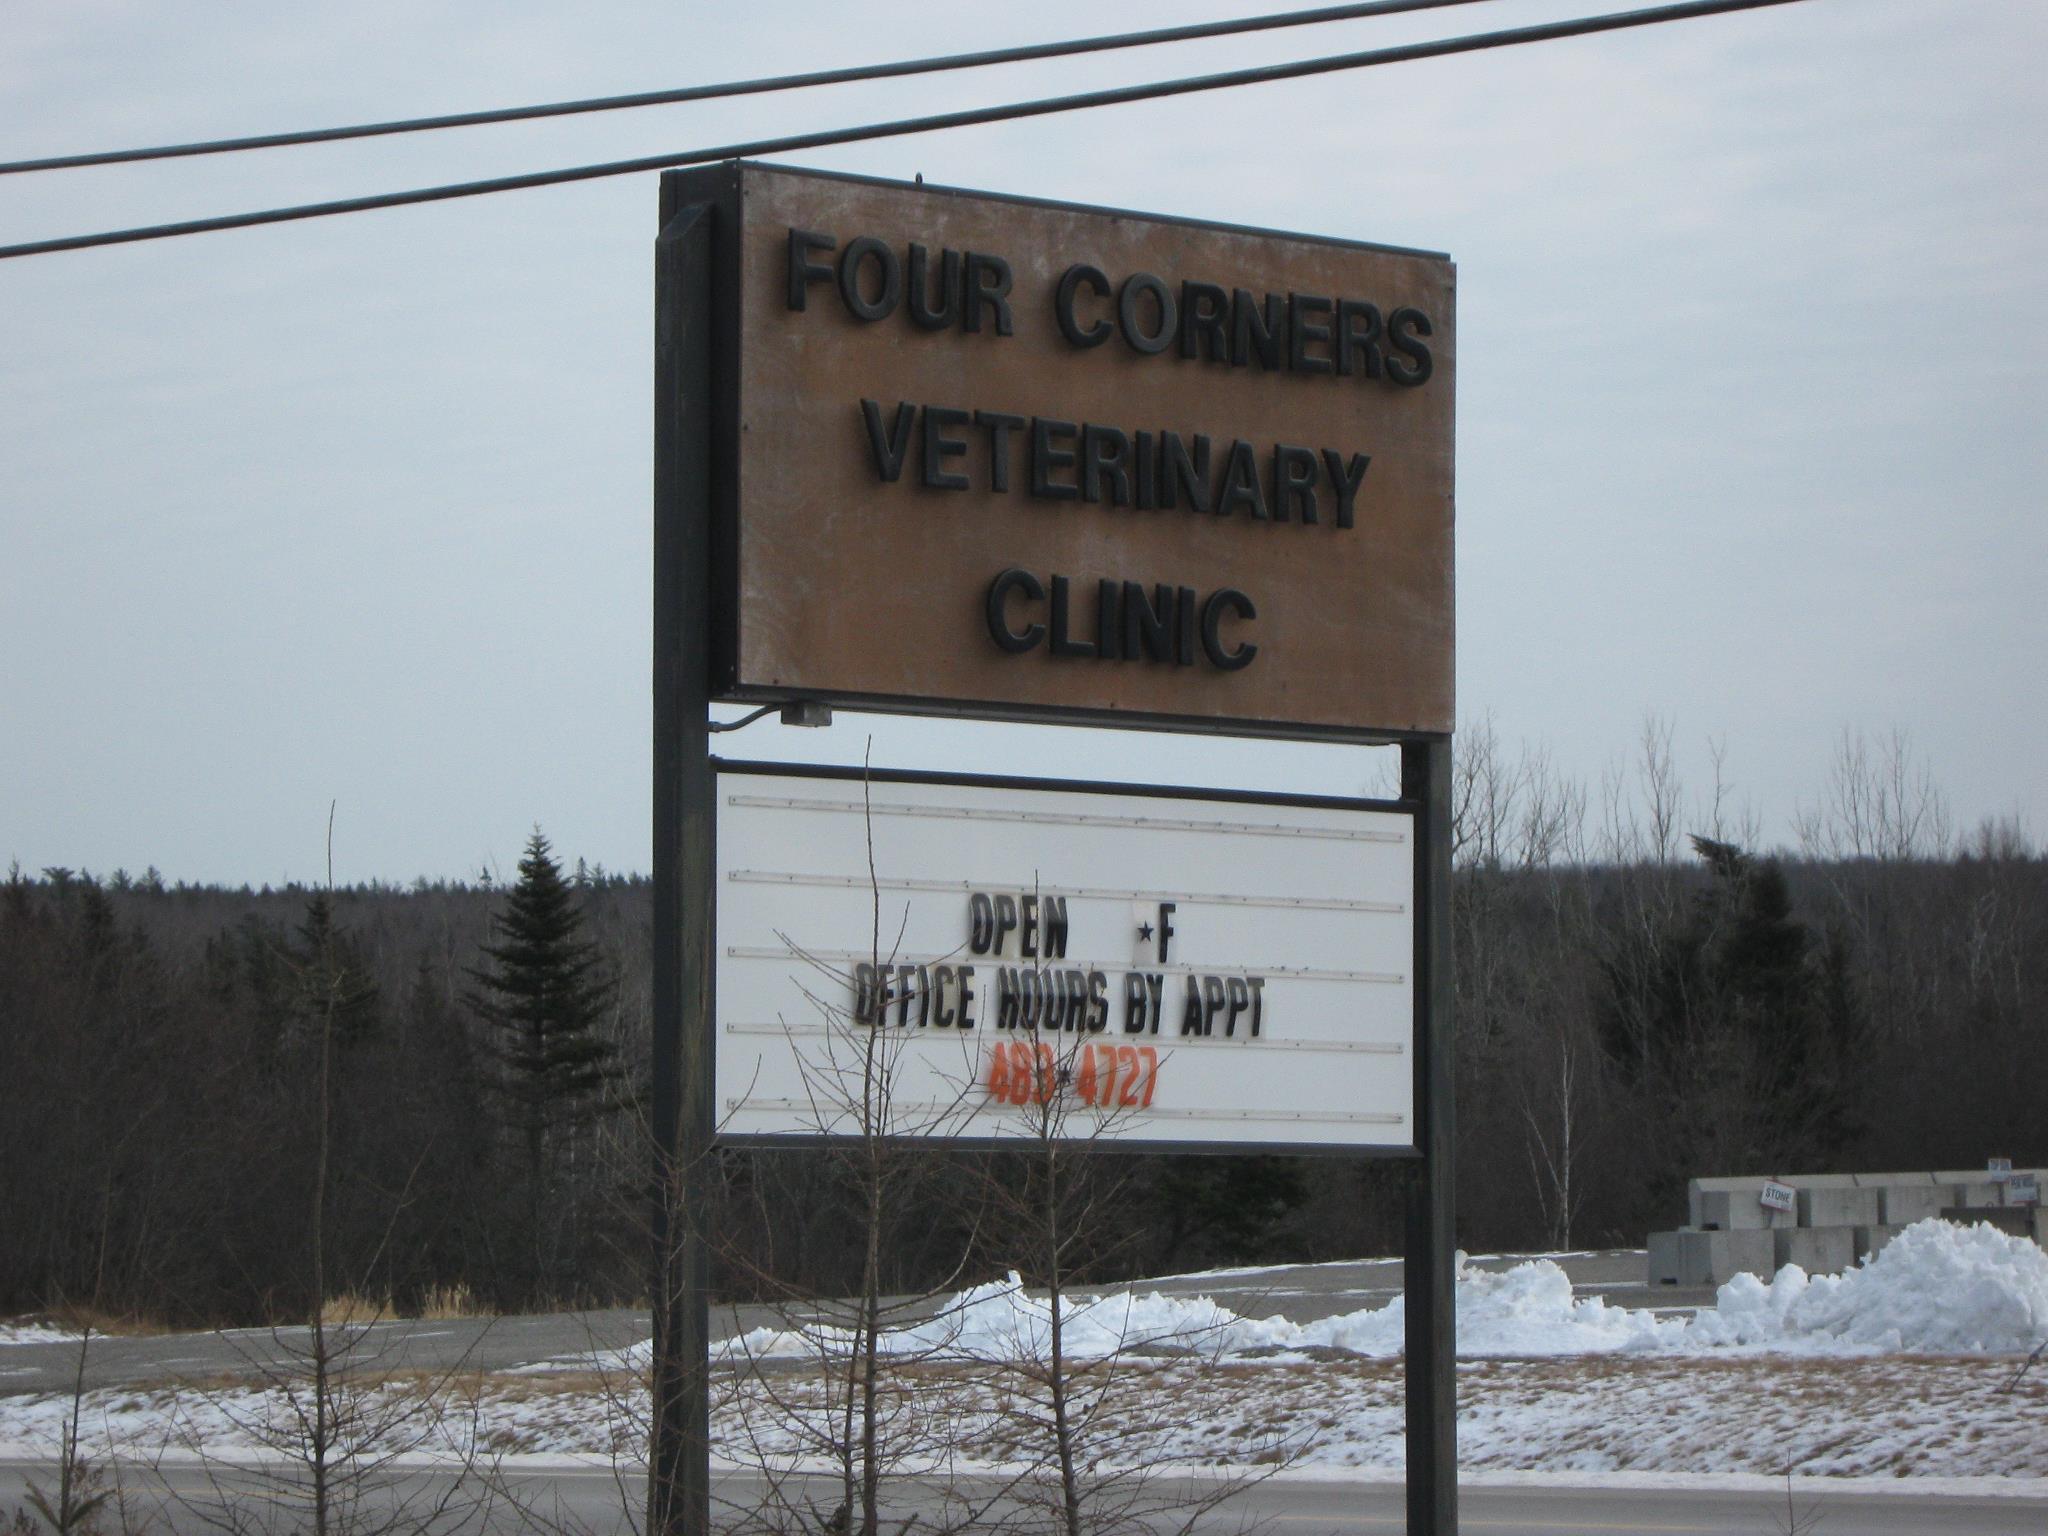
<point x="2000" y="1169"/>
<point x="1778" y="1197"/>
<point x="1029" y="460"/>
<point x="1160" y="967"/>
<point x="2023" y="1189"/>
<point x="931" y="451"/>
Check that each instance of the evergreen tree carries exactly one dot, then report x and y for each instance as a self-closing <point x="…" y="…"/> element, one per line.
<point x="1736" y="1021"/>
<point x="543" y="996"/>
<point x="330" y="982"/>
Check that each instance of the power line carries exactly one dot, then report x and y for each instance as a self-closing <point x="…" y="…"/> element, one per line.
<point x="966" y="117"/>
<point x="849" y="75"/>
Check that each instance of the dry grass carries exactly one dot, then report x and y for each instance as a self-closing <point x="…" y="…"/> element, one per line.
<point x="349" y="1310"/>
<point x="79" y="1316"/>
<point x="444" y="1302"/>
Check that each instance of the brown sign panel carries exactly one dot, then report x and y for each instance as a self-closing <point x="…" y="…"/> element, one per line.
<point x="993" y="456"/>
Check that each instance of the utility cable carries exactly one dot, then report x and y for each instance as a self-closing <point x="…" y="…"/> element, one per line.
<point x="844" y="76"/>
<point x="966" y="117"/>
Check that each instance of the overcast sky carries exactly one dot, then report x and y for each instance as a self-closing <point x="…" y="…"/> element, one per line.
<point x="1753" y="374"/>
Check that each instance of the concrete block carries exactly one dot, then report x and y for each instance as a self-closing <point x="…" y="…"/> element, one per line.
<point x="1698" y="1190"/>
<point x="1822" y="1180"/>
<point x="1663" y="1259"/>
<point x="1737" y="1210"/>
<point x="1900" y="1205"/>
<point x="1817" y="1250"/>
<point x="1870" y="1241"/>
<point x="1882" y="1180"/>
<point x="2016" y="1222"/>
<point x="1695" y="1257"/>
<point x="1971" y="1186"/>
<point x="1979" y="1196"/>
<point x="1836" y="1205"/>
<point x="1724" y="1255"/>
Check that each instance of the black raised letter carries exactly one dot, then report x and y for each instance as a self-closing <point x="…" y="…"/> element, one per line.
<point x="1204" y="322"/>
<point x="1105" y="457"/>
<point x="1241" y="483"/>
<point x="938" y="447"/>
<point x="1063" y="641"/>
<point x="1181" y="474"/>
<point x="890" y="447"/>
<point x="1148" y="626"/>
<point x="1212" y="623"/>
<point x="1256" y="335"/>
<point x="1294" y="478"/>
<point x="1109" y="632"/>
<point x="1417" y="371"/>
<point x="1129" y="313"/>
<point x="1358" y="337"/>
<point x="1015" y="641"/>
<point x="948" y="310"/>
<point x="1302" y="328"/>
<point x="1000" y="425"/>
<point x="884" y="302"/>
<point x="1045" y="459"/>
<point x="1063" y="305"/>
<point x="988" y="283"/>
<point x="1345" y="481"/>
<point x="802" y="270"/>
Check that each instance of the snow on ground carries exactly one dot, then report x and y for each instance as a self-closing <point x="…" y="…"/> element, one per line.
<point x="1936" y="1288"/>
<point x="1872" y="1415"/>
<point x="1911" y="1365"/>
<point x="34" y="1333"/>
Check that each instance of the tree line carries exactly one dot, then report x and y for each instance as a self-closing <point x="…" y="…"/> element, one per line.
<point x="459" y="1069"/>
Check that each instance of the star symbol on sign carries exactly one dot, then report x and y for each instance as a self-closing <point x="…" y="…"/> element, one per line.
<point x="1144" y="930"/>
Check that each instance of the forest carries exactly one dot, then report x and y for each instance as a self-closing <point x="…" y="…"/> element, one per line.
<point x="222" y="1105"/>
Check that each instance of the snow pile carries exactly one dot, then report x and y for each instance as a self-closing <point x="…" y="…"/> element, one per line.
<point x="1936" y="1288"/>
<point x="999" y="1321"/>
<point x="1527" y="1310"/>
<point x="35" y="1333"/>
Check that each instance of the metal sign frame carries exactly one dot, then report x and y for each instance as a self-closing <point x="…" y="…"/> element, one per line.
<point x="1401" y="1150"/>
<point x="1356" y="616"/>
<point x="692" y="345"/>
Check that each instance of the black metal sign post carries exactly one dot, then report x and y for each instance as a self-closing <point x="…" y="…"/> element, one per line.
<point x="691" y="351"/>
<point x="679" y="1452"/>
<point x="1428" y="1260"/>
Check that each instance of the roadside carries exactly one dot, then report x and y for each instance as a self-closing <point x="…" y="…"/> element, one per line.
<point x="42" y="1358"/>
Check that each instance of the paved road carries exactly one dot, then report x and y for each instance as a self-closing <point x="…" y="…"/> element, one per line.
<point x="1302" y="1293"/>
<point x="1305" y="1292"/>
<point x="593" y="1500"/>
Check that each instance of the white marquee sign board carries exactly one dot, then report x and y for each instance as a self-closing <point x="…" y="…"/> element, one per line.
<point x="1153" y="967"/>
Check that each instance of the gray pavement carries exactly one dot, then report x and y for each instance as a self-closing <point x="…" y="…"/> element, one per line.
<point x="1303" y="1293"/>
<point x="599" y="1500"/>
